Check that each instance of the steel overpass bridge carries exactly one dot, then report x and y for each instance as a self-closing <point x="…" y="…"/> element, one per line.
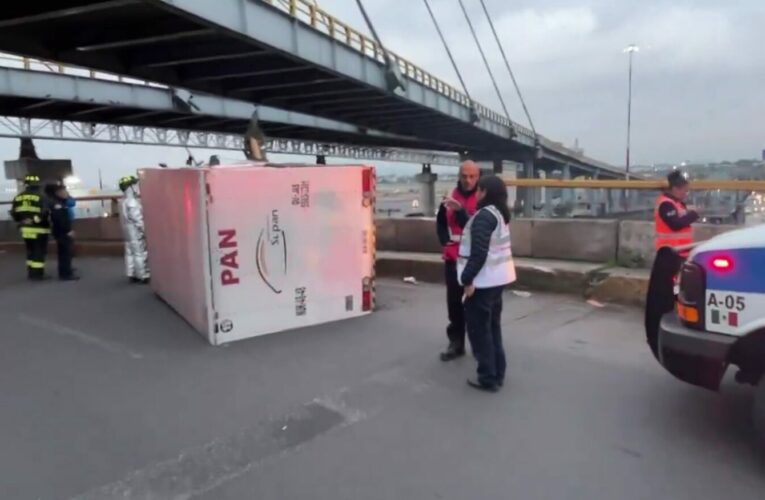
<point x="290" y="57"/>
<point x="60" y="106"/>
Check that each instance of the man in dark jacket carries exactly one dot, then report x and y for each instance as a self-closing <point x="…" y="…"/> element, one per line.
<point x="61" y="228"/>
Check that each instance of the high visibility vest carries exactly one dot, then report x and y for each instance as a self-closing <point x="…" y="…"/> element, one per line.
<point x="665" y="235"/>
<point x="31" y="206"/>
<point x="499" y="269"/>
<point x="452" y="247"/>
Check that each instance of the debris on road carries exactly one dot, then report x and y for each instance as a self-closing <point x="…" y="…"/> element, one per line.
<point x="595" y="303"/>
<point x="521" y="293"/>
<point x="411" y="280"/>
<point x="543" y="269"/>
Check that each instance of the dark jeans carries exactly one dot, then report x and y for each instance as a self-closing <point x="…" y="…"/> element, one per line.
<point x="454" y="291"/>
<point x="65" y="247"/>
<point x="483" y="313"/>
<point x="37" y="248"/>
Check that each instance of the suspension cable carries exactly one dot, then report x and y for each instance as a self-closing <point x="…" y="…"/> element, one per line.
<point x="448" y="52"/>
<point x="485" y="61"/>
<point x="509" y="70"/>
<point x="370" y="25"/>
<point x="390" y="64"/>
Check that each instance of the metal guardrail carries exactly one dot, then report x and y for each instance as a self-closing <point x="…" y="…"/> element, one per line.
<point x="32" y="64"/>
<point x="309" y="13"/>
<point x="704" y="185"/>
<point x="112" y="198"/>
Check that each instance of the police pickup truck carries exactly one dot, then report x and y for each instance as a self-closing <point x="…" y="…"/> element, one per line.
<point x="717" y="319"/>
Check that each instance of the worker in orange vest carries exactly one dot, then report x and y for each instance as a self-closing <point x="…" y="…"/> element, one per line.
<point x="673" y="218"/>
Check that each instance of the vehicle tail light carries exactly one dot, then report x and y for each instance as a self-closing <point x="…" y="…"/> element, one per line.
<point x="368" y="185"/>
<point x="367" y="294"/>
<point x="687" y="313"/>
<point x="722" y="263"/>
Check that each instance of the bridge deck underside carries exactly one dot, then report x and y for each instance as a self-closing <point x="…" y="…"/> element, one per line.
<point x="155" y="41"/>
<point x="50" y="109"/>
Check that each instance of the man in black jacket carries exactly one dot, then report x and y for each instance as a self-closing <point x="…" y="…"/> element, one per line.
<point x="61" y="229"/>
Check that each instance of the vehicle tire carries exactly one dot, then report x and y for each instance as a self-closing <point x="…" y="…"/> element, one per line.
<point x="758" y="410"/>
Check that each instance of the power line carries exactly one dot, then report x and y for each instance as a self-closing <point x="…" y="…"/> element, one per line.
<point x="509" y="70"/>
<point x="485" y="62"/>
<point x="451" y="58"/>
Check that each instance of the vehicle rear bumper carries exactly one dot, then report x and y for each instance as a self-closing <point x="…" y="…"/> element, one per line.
<point x="697" y="357"/>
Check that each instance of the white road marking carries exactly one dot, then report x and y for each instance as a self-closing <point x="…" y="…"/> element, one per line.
<point x="79" y="335"/>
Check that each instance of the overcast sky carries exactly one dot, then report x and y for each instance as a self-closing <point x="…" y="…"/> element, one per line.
<point x="699" y="80"/>
<point x="698" y="89"/>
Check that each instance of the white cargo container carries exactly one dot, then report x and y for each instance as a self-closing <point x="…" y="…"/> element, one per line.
<point x="242" y="251"/>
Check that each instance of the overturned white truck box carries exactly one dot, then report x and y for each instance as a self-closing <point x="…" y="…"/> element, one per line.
<point x="242" y="251"/>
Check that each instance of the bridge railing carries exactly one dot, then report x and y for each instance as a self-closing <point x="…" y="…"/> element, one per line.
<point x="88" y="206"/>
<point x="32" y="64"/>
<point x="716" y="201"/>
<point x="309" y="13"/>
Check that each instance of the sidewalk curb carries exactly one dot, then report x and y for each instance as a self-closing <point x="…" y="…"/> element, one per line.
<point x="603" y="283"/>
<point x="591" y="281"/>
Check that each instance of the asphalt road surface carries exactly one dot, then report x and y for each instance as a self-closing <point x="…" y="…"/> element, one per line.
<point x="106" y="393"/>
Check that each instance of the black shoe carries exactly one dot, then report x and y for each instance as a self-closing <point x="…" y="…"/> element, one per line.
<point x="145" y="281"/>
<point x="475" y="384"/>
<point x="134" y="280"/>
<point x="452" y="353"/>
<point x="72" y="277"/>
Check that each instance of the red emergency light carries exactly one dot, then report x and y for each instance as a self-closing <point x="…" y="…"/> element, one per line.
<point x="722" y="263"/>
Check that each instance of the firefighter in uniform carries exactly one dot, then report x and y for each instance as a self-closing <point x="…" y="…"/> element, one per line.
<point x="453" y="214"/>
<point x="31" y="213"/>
<point x="485" y="267"/>
<point x="131" y="216"/>
<point x="673" y="218"/>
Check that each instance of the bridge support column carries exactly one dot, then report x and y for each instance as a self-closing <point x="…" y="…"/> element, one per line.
<point x="596" y="198"/>
<point x="609" y="201"/>
<point x="29" y="163"/>
<point x="427" y="181"/>
<point x="321" y="160"/>
<point x="526" y="196"/>
<point x="547" y="194"/>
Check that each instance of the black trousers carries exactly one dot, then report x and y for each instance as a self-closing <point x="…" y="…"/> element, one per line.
<point x="454" y="291"/>
<point x="37" y="249"/>
<point x="483" y="313"/>
<point x="65" y="247"/>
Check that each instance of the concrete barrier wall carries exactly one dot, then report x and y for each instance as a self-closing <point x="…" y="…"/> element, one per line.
<point x="419" y="235"/>
<point x="629" y="243"/>
<point x="636" y="241"/>
<point x="589" y="241"/>
<point x="407" y="235"/>
<point x="583" y="240"/>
